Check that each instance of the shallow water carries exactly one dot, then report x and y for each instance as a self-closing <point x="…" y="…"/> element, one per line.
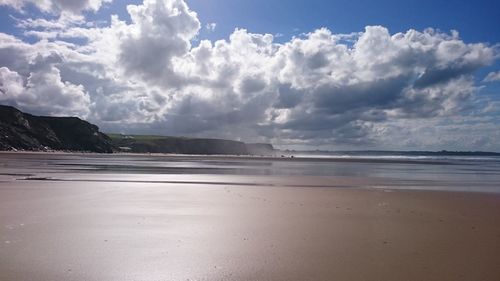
<point x="448" y="173"/>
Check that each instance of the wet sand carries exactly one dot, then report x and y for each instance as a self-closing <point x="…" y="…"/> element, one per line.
<point x="163" y="231"/>
<point x="126" y="217"/>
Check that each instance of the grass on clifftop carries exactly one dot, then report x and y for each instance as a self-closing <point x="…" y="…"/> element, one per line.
<point x="142" y="137"/>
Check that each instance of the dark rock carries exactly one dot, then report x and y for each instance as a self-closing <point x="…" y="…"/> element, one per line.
<point x="24" y="131"/>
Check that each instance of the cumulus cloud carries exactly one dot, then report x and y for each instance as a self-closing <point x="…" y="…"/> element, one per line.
<point x="43" y="92"/>
<point x="320" y="88"/>
<point x="31" y="79"/>
<point x="160" y="31"/>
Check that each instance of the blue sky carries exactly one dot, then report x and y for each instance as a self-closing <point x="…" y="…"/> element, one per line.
<point x="475" y="20"/>
<point x="166" y="72"/>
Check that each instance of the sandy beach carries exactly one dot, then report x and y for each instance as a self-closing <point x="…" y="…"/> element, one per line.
<point x="226" y="140"/>
<point x="123" y="230"/>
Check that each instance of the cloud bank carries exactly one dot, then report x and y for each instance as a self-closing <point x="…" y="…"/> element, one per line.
<point x="363" y="90"/>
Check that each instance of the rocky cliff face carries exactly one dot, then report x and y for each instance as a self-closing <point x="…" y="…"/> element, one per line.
<point x="24" y="131"/>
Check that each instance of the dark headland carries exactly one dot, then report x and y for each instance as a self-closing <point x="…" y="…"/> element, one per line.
<point x="23" y="131"/>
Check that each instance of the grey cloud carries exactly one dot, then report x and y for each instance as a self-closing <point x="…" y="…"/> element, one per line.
<point x="316" y="122"/>
<point x="252" y="84"/>
<point x="317" y="60"/>
<point x="149" y="58"/>
<point x="435" y="75"/>
<point x="12" y="58"/>
<point x="350" y="133"/>
<point x="288" y="97"/>
<point x="375" y="94"/>
<point x="445" y="98"/>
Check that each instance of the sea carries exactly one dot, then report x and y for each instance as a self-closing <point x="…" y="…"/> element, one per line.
<point x="471" y="172"/>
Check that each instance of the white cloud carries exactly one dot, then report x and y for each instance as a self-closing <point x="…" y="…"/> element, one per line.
<point x="211" y="26"/>
<point x="64" y="21"/>
<point x="160" y="31"/>
<point x="43" y="92"/>
<point x="492" y="77"/>
<point x="57" y="6"/>
<point x="320" y="88"/>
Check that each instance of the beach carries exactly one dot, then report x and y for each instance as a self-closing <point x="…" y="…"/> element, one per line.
<point x="93" y="217"/>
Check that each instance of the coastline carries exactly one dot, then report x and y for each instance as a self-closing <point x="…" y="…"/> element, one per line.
<point x="239" y="157"/>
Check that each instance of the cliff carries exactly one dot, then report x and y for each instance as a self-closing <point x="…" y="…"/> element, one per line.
<point x="24" y="131"/>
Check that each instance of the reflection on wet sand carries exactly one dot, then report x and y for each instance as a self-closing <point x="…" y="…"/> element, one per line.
<point x="255" y="220"/>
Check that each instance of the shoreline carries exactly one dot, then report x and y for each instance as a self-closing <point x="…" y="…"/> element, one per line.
<point x="247" y="157"/>
<point x="251" y="171"/>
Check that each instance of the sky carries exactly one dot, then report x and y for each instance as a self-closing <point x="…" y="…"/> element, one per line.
<point x="395" y="75"/>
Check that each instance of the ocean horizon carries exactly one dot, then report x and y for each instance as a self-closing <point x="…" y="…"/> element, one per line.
<point x="471" y="173"/>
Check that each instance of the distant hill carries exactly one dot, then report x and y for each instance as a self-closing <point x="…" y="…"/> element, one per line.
<point x="261" y="149"/>
<point x="23" y="131"/>
<point x="182" y="145"/>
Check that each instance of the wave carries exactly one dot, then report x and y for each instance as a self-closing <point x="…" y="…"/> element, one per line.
<point x="401" y="157"/>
